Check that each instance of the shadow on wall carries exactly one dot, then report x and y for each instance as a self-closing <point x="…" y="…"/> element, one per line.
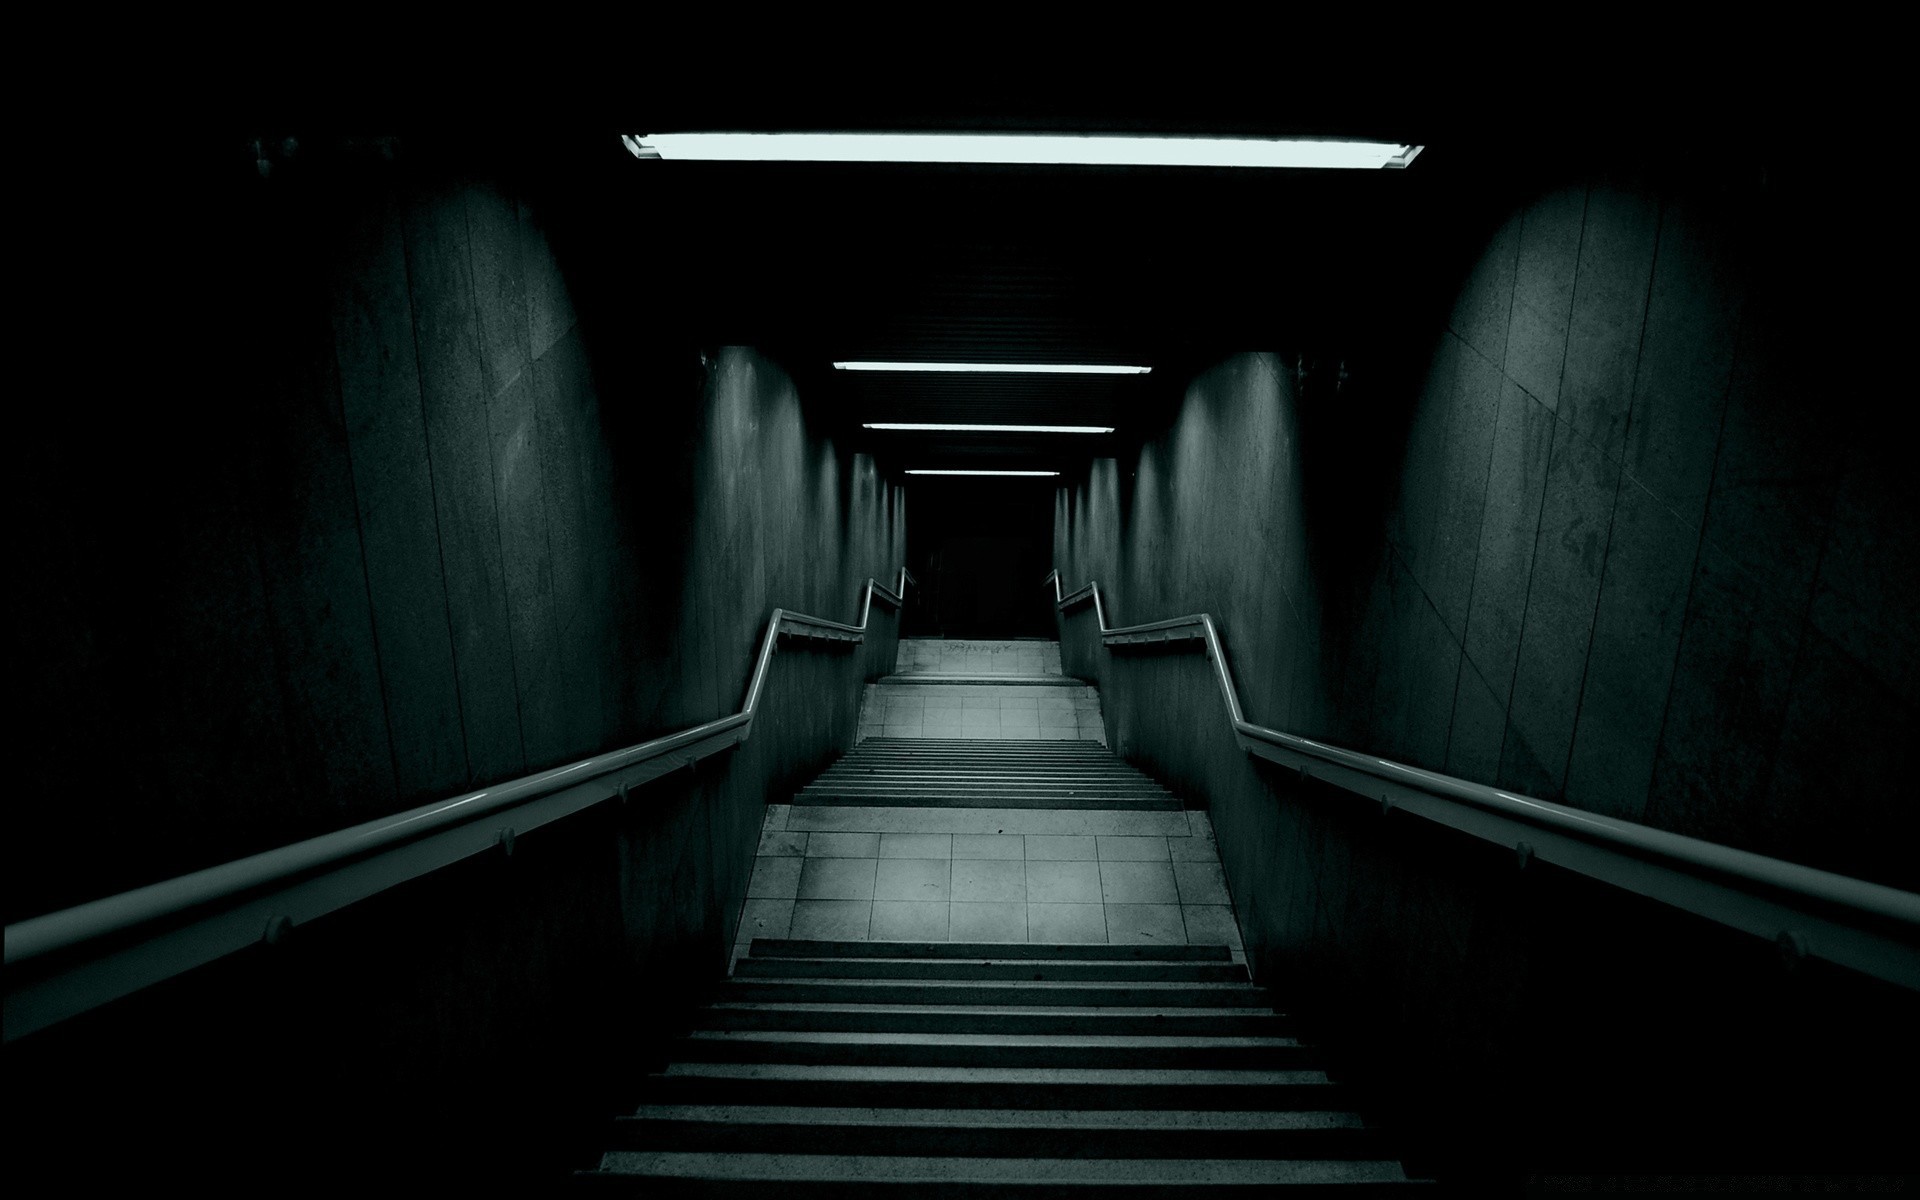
<point x="1590" y="535"/>
<point x="456" y="498"/>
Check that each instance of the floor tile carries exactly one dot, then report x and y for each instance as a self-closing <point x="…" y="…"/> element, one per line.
<point x="892" y="819"/>
<point x="989" y="879"/>
<point x="1135" y="883"/>
<point x="916" y="845"/>
<point x="783" y="843"/>
<point x="989" y="845"/>
<point x="843" y="845"/>
<point x="1133" y="924"/>
<point x="1201" y="883"/>
<point x="776" y="816"/>
<point x="1066" y="923"/>
<point x="925" y="879"/>
<point x="1051" y="719"/>
<point x="837" y="878"/>
<point x="775" y="878"/>
<point x="765" y="918"/>
<point x="894" y="731"/>
<point x="909" y="921"/>
<point x="1200" y="823"/>
<point x="1119" y="848"/>
<point x="832" y="920"/>
<point x="1063" y="882"/>
<point x="1193" y="849"/>
<point x="987" y="922"/>
<point x="1061" y="847"/>
<point x="1211" y="924"/>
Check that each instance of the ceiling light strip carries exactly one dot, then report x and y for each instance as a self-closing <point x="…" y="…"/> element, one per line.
<point x="1029" y="149"/>
<point x="999" y="368"/>
<point x="931" y="472"/>
<point x="928" y="427"/>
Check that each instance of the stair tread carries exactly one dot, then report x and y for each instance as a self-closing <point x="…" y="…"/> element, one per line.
<point x="805" y="948"/>
<point x="992" y="970"/>
<point x="1098" y="1040"/>
<point x="1116" y="1012"/>
<point x="918" y="1169"/>
<point x="1105" y="1076"/>
<point x="999" y="1118"/>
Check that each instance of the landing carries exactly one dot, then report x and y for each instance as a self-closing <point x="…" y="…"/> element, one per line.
<point x="861" y="873"/>
<point x="1012" y="691"/>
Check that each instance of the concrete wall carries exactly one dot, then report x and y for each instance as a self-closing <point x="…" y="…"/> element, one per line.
<point x="1608" y="544"/>
<point x="402" y="477"/>
<point x="1594" y="520"/>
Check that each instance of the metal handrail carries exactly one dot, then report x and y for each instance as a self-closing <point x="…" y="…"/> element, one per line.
<point x="206" y="914"/>
<point x="1867" y="926"/>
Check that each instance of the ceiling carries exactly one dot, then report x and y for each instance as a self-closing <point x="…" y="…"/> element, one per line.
<point x="1167" y="268"/>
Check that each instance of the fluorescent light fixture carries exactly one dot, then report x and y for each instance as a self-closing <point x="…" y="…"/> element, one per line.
<point x="1039" y="149"/>
<point x="983" y="472"/>
<point x="928" y="427"/>
<point x="1000" y="368"/>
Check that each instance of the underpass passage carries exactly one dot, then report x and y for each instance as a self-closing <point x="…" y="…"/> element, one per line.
<point x="989" y="965"/>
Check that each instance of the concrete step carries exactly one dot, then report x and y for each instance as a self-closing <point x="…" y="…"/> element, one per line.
<point x="1064" y="748"/>
<point x="998" y="1133"/>
<point x="975" y="818"/>
<point x="907" y="1086"/>
<point x="917" y="679"/>
<point x="1005" y="991"/>
<point x="1027" y="992"/>
<point x="996" y="762"/>
<point x="964" y="800"/>
<point x="1173" y="1175"/>
<point x="822" y="1047"/>
<point x="983" y="779"/>
<point x="990" y="969"/>
<point x="995" y="767"/>
<point x="804" y="948"/>
<point x="1002" y="1019"/>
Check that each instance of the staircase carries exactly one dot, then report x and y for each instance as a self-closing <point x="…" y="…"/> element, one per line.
<point x="937" y="773"/>
<point x="954" y="1069"/>
<point x="981" y="955"/>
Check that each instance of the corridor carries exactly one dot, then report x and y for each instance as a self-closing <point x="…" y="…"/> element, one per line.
<point x="532" y="632"/>
<point x="988" y="963"/>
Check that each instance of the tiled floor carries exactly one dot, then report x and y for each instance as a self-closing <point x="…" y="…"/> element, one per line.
<point x="976" y="711"/>
<point x="987" y="875"/>
<point x="940" y="656"/>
